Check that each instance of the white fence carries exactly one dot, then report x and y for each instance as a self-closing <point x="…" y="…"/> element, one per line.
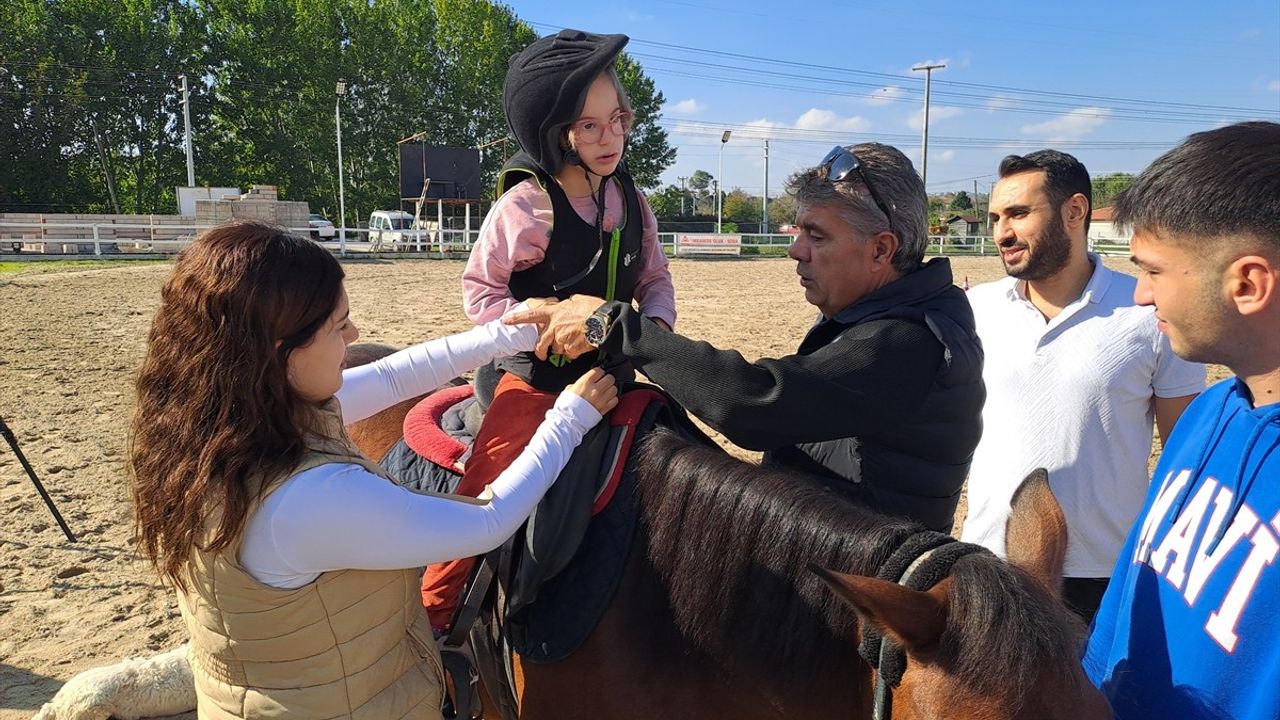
<point x="981" y="245"/>
<point x="124" y="240"/>
<point x="116" y="240"/>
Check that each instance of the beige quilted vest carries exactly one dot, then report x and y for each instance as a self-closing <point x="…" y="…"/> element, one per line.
<point x="353" y="644"/>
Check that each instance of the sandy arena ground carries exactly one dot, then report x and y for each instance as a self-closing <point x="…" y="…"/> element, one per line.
<point x="70" y="342"/>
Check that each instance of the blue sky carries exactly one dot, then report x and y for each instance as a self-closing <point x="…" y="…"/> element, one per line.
<point x="1115" y="84"/>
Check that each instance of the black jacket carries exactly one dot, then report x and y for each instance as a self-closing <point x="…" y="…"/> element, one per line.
<point x="570" y="252"/>
<point x="883" y="401"/>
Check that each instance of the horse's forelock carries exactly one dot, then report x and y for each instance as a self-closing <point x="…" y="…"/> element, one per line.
<point x="1005" y="632"/>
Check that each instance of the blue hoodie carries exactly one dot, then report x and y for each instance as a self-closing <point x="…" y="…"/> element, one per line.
<point x="1190" y="625"/>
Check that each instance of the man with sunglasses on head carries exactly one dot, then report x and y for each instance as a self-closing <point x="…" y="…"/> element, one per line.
<point x="1075" y="373"/>
<point x="882" y="399"/>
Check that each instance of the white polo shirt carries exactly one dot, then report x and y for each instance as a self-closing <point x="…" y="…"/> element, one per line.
<point x="1073" y="395"/>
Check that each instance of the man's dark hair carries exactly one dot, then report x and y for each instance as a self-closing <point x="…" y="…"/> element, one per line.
<point x="1064" y="176"/>
<point x="1217" y="183"/>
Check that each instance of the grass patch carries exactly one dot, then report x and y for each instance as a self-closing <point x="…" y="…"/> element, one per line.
<point x="31" y="267"/>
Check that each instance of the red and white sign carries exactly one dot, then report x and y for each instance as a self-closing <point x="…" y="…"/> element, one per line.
<point x="708" y="244"/>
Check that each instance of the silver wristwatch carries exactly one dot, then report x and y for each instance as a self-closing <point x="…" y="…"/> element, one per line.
<point x="597" y="327"/>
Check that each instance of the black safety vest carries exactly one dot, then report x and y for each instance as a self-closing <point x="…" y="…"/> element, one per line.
<point x="916" y="468"/>
<point x="572" y="247"/>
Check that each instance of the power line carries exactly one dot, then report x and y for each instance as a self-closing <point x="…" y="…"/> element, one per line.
<point x="703" y="128"/>
<point x="1023" y="106"/>
<point x="904" y="78"/>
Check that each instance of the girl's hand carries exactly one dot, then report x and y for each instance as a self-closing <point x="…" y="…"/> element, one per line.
<point x="597" y="387"/>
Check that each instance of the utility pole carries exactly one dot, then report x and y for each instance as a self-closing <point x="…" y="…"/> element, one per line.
<point x="186" y="132"/>
<point x="715" y="187"/>
<point x="924" y="142"/>
<point x="764" y="199"/>
<point x="991" y="188"/>
<point x="682" y="194"/>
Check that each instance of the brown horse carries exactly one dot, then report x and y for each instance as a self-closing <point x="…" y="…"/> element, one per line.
<point x="718" y="615"/>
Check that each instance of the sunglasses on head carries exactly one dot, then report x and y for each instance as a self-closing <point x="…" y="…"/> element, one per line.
<point x="839" y="163"/>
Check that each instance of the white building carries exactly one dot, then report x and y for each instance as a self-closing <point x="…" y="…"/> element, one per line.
<point x="1102" y="231"/>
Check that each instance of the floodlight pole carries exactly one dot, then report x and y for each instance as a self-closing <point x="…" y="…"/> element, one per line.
<point x="339" y="90"/>
<point x="186" y="132"/>
<point x="719" y="178"/>
<point x="764" y="197"/>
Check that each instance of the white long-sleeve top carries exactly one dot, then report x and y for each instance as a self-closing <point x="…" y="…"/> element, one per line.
<point x="340" y="516"/>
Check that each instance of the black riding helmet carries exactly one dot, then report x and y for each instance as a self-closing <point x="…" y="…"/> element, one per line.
<point x="547" y="85"/>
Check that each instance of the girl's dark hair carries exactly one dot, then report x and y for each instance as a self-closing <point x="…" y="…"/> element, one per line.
<point x="216" y="416"/>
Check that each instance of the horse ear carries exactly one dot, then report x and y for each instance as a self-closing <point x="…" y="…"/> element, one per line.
<point x="914" y="619"/>
<point x="1036" y="535"/>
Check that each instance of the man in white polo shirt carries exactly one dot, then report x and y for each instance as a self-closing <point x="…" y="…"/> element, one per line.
<point x="1075" y="374"/>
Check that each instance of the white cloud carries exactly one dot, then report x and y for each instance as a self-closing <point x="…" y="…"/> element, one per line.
<point x="915" y="120"/>
<point x="999" y="102"/>
<point x="946" y="155"/>
<point x="687" y="107"/>
<point x="885" y="95"/>
<point x="1073" y="125"/>
<point x="814" y="121"/>
<point x="817" y="119"/>
<point x="1274" y="86"/>
<point x="759" y="129"/>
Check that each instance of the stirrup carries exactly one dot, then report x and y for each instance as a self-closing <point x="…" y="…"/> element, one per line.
<point x="459" y="666"/>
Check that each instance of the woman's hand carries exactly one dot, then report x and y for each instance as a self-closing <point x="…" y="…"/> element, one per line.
<point x="597" y="388"/>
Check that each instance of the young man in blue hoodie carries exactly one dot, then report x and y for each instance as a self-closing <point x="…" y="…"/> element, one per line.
<point x="1189" y="625"/>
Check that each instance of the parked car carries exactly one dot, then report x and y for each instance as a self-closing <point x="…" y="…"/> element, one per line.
<point x="393" y="228"/>
<point x="321" y="227"/>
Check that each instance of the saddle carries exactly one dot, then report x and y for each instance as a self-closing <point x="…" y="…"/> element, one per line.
<point x="558" y="574"/>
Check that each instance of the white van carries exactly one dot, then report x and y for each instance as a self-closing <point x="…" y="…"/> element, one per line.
<point x="393" y="228"/>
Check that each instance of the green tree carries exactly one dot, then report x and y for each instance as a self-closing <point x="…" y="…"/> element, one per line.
<point x="648" y="152"/>
<point x="700" y="186"/>
<point x="667" y="203"/>
<point x="95" y="87"/>
<point x="276" y="66"/>
<point x="961" y="201"/>
<point x="37" y="143"/>
<point x="91" y="119"/>
<point x="475" y="39"/>
<point x="1106" y="188"/>
<point x="782" y="210"/>
<point x="741" y="207"/>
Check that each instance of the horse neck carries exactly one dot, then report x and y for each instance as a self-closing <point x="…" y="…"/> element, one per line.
<point x="638" y="664"/>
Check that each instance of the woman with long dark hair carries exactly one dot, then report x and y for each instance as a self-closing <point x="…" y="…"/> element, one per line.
<point x="295" y="557"/>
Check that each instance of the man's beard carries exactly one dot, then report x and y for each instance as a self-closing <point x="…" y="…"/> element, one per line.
<point x="1047" y="257"/>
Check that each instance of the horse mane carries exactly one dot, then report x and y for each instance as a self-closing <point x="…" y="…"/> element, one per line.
<point x="732" y="541"/>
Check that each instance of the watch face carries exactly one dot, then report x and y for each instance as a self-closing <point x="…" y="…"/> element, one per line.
<point x="595" y="330"/>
